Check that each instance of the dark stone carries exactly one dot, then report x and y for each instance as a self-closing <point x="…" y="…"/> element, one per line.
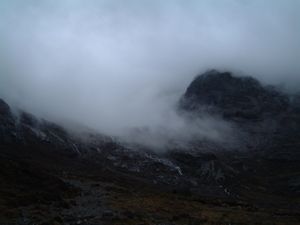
<point x="4" y="108"/>
<point x="108" y="214"/>
<point x="232" y="96"/>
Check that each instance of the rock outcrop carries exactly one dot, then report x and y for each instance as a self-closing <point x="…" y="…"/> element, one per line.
<point x="233" y="97"/>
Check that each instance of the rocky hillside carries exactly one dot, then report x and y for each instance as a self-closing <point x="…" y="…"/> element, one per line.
<point x="50" y="175"/>
<point x="234" y="97"/>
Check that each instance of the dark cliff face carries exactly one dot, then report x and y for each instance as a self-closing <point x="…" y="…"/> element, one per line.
<point x="269" y="118"/>
<point x="4" y="108"/>
<point x="7" y="123"/>
<point x="233" y="97"/>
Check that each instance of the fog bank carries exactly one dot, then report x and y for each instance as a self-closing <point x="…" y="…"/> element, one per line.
<point x="117" y="65"/>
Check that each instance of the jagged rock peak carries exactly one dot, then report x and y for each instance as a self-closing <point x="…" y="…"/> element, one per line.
<point x="233" y="96"/>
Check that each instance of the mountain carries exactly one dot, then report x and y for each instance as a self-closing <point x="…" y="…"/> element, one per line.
<point x="52" y="175"/>
<point x="268" y="119"/>
<point x="267" y="116"/>
<point x="234" y="97"/>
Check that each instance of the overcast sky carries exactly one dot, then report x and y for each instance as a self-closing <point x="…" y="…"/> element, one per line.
<point x="114" y="64"/>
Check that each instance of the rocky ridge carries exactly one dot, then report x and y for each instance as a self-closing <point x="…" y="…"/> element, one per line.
<point x="50" y="159"/>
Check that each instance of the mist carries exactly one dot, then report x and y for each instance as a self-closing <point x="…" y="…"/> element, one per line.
<point x="118" y="65"/>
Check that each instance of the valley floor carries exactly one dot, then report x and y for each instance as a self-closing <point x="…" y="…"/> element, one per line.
<point x="51" y="193"/>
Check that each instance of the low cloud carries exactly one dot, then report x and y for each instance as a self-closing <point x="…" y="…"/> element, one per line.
<point x="119" y="65"/>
